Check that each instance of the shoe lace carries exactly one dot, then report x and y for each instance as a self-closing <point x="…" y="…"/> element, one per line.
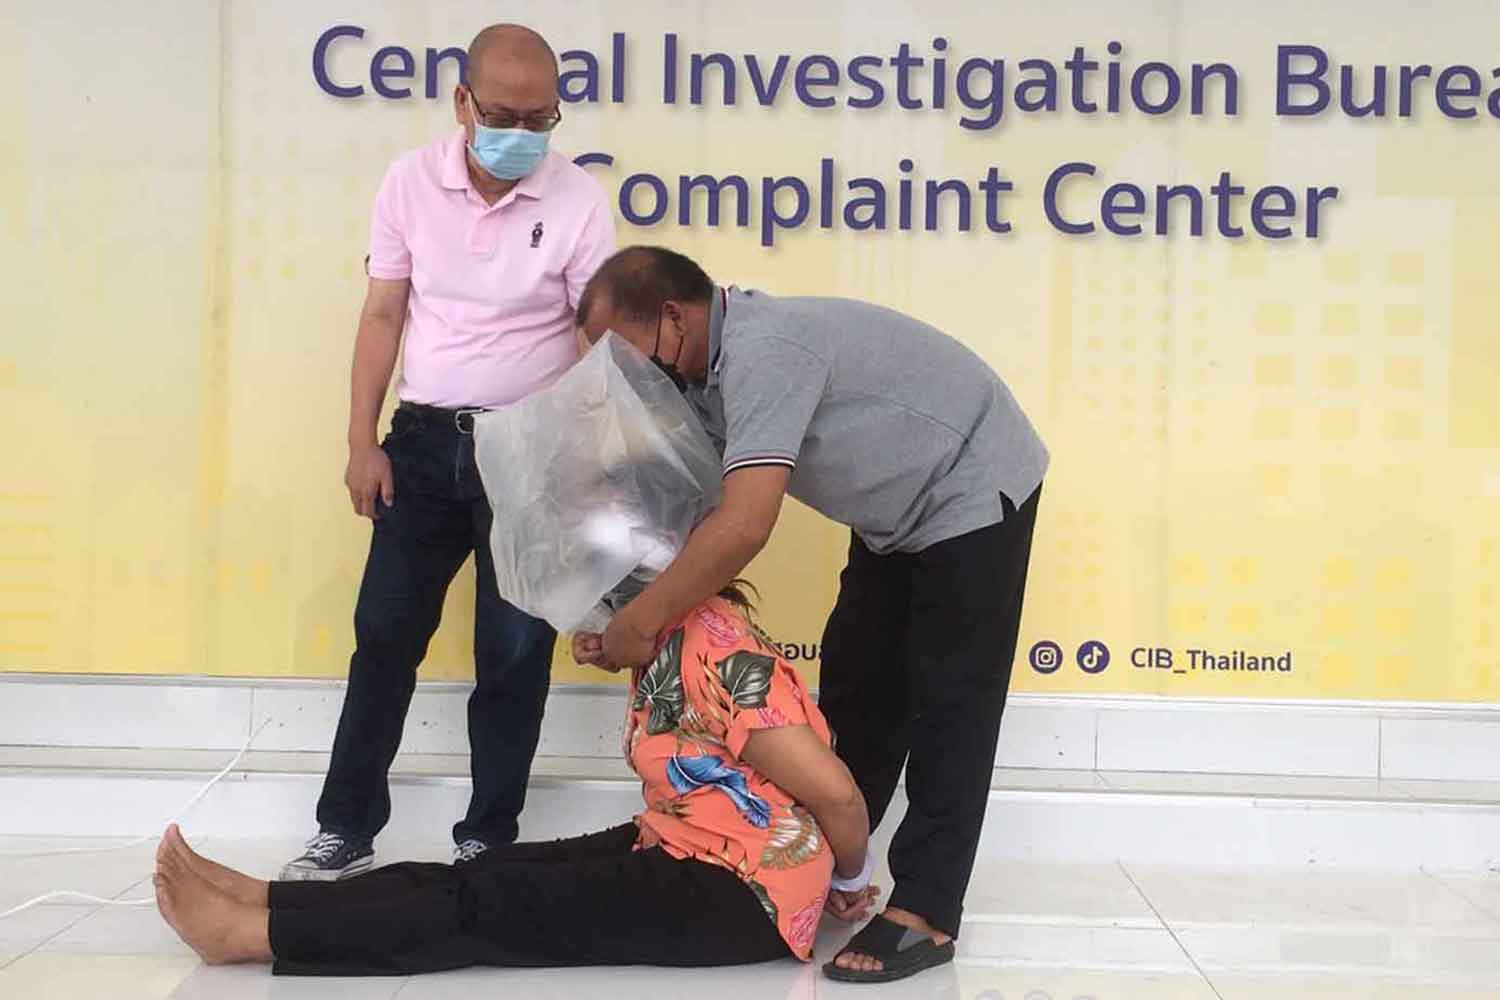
<point x="324" y="846"/>
<point x="469" y="850"/>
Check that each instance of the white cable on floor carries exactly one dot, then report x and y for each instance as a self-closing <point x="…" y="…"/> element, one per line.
<point x="181" y="813"/>
<point x="81" y="897"/>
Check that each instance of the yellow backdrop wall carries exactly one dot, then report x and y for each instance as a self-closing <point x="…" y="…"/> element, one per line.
<point x="1275" y="447"/>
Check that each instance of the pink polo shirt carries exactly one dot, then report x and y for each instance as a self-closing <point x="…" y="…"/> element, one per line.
<point x="493" y="287"/>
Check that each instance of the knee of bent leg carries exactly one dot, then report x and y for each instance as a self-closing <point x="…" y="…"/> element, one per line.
<point x="391" y="628"/>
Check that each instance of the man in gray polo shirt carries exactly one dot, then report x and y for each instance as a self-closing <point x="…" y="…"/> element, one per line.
<point x="887" y="425"/>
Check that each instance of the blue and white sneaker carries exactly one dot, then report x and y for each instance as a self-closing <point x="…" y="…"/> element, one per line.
<point x="328" y="858"/>
<point x="468" y="851"/>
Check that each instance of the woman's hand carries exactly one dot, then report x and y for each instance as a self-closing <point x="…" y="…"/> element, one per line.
<point x="852" y="907"/>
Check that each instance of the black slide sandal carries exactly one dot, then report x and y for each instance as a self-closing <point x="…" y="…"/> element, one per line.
<point x="901" y="952"/>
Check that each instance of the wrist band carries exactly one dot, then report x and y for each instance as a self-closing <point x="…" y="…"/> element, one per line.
<point x="859" y="881"/>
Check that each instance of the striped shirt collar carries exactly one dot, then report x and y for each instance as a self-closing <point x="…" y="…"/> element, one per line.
<point x="718" y="308"/>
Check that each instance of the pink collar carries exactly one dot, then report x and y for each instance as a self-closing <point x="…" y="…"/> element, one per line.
<point x="456" y="172"/>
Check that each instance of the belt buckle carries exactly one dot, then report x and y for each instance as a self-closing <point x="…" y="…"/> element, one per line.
<point x="458" y="419"/>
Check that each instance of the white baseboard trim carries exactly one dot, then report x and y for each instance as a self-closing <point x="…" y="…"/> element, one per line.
<point x="1411" y="741"/>
<point x="1042" y="825"/>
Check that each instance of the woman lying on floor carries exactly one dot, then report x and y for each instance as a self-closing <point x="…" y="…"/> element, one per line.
<point x="751" y="823"/>
<point x="748" y="815"/>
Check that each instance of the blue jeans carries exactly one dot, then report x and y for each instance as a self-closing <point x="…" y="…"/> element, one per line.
<point x="439" y="516"/>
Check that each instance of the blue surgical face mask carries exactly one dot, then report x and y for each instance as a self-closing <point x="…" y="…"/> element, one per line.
<point x="506" y="154"/>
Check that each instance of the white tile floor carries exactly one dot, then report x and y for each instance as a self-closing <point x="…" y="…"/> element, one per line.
<point x="1035" y="931"/>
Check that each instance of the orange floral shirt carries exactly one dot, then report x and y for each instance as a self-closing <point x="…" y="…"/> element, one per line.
<point x="716" y="680"/>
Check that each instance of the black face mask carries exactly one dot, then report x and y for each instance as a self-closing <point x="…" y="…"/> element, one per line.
<point x="668" y="368"/>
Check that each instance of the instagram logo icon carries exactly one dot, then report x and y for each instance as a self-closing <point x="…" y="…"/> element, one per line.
<point x="1045" y="657"/>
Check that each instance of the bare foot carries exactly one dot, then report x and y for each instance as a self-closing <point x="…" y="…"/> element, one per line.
<point x="867" y="963"/>
<point x="214" y="925"/>
<point x="241" y="888"/>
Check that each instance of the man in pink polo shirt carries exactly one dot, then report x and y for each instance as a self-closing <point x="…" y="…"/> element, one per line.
<point x="480" y="247"/>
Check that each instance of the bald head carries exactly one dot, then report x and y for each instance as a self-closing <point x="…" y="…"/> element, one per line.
<point x="508" y="49"/>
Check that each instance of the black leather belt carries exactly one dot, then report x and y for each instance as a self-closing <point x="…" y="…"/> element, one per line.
<point x="462" y="419"/>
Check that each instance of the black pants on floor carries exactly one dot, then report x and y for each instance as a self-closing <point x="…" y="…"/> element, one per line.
<point x="587" y="901"/>
<point x="440" y="516"/>
<point x="916" y="663"/>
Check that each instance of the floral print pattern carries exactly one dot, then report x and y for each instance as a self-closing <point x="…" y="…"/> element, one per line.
<point x="804" y="925"/>
<point x="721" y="630"/>
<point x="715" y="682"/>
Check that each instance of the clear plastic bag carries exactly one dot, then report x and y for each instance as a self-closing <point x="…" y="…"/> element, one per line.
<point x="595" y="483"/>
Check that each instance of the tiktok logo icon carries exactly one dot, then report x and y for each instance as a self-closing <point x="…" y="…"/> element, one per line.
<point x="1093" y="657"/>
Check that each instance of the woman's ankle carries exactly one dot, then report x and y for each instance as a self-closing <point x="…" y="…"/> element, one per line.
<point x="253" y="936"/>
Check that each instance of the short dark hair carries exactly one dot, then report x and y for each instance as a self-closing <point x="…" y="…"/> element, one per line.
<point x="637" y="280"/>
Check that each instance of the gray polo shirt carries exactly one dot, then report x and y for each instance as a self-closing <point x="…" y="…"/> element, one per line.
<point x="888" y="425"/>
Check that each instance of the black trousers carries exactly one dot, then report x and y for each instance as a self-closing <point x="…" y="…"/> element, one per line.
<point x="440" y="516"/>
<point x="916" y="663"/>
<point x="587" y="901"/>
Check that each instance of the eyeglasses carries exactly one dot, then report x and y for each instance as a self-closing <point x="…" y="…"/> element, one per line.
<point x="509" y="119"/>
